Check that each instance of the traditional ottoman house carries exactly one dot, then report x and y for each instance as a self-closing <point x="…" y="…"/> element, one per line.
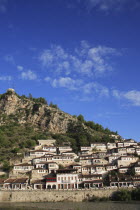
<point x="39" y="173"/>
<point x="16" y="184"/>
<point x="101" y="154"/>
<point x="63" y="159"/>
<point x="99" y="161"/>
<point x="130" y="150"/>
<point x="86" y="161"/>
<point x="137" y="151"/>
<point x="121" y="181"/>
<point x="100" y="169"/>
<point x="63" y="179"/>
<point x="52" y="167"/>
<point x="119" y="150"/>
<point x="20" y="184"/>
<point x="48" y="142"/>
<point x="38" y="153"/>
<point x="84" y="152"/>
<point x="110" y="167"/>
<point x="49" y="149"/>
<point x="111" y="145"/>
<point x="70" y="153"/>
<point x="38" y="184"/>
<point x="88" y="169"/>
<point x="113" y="158"/>
<point x="8" y="184"/>
<point x="120" y="144"/>
<point x="137" y="168"/>
<point x="126" y="160"/>
<point x="99" y="146"/>
<point x="90" y="181"/>
<point x="130" y="142"/>
<point x="41" y="164"/>
<point x="44" y="158"/>
<point x="83" y="157"/>
<point x="67" y="179"/>
<point x="76" y="166"/>
<point x="64" y="149"/>
<point x="123" y="170"/>
<point x="20" y="169"/>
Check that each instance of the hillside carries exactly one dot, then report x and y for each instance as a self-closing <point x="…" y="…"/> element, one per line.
<point x="24" y="119"/>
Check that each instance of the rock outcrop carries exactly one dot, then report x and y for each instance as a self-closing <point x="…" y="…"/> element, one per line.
<point x="23" y="110"/>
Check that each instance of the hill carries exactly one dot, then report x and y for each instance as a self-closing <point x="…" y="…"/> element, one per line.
<point x="24" y="119"/>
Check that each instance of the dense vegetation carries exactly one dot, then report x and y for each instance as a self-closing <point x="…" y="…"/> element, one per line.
<point x="121" y="195"/>
<point x="126" y="195"/>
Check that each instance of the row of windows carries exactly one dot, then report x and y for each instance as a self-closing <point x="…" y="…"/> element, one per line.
<point x="42" y="171"/>
<point x="23" y="168"/>
<point x="67" y="178"/>
<point x="127" y="158"/>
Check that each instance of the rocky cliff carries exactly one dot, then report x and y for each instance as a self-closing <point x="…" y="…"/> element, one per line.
<point x="23" y="110"/>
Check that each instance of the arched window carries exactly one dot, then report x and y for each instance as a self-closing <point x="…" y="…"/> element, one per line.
<point x="54" y="186"/>
<point x="49" y="187"/>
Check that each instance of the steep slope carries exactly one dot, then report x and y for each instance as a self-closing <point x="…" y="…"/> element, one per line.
<point x="20" y="109"/>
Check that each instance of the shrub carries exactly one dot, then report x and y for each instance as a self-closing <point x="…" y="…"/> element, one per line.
<point x="122" y="195"/>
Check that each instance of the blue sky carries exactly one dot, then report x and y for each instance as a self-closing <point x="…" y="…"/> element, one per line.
<point x="81" y="54"/>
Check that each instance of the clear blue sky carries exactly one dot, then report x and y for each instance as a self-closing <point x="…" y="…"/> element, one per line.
<point x="83" y="55"/>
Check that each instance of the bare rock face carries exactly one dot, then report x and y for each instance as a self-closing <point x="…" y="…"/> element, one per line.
<point x="9" y="102"/>
<point x="24" y="110"/>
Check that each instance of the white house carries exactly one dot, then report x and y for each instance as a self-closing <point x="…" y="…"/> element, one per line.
<point x="126" y="160"/>
<point x="99" y="146"/>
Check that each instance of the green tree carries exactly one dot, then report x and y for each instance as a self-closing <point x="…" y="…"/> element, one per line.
<point x="136" y="194"/>
<point x="6" y="166"/>
<point x="81" y="118"/>
<point x="122" y="195"/>
<point x="90" y="124"/>
<point x="53" y="105"/>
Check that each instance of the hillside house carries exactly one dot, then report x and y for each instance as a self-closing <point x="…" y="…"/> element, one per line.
<point x="15" y="184"/>
<point x="38" y="184"/>
<point x="77" y="167"/>
<point x="48" y="142"/>
<point x="111" y="145"/>
<point x="64" y="149"/>
<point x="123" y="170"/>
<point x="88" y="169"/>
<point x="39" y="173"/>
<point x="49" y="149"/>
<point x="22" y="168"/>
<point x="110" y="167"/>
<point x="130" y="150"/>
<point x="126" y="160"/>
<point x="99" y="146"/>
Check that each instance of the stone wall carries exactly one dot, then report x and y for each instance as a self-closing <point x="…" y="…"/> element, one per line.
<point x="53" y="196"/>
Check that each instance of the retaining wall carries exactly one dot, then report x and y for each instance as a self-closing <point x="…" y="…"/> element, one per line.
<point x="53" y="196"/>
